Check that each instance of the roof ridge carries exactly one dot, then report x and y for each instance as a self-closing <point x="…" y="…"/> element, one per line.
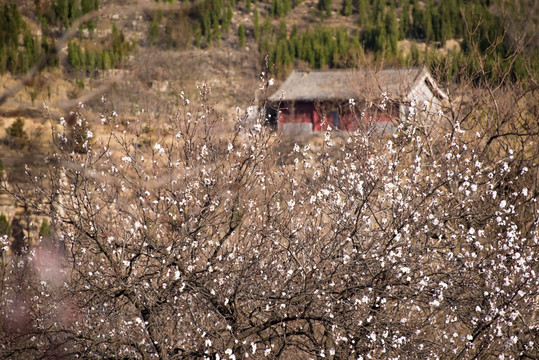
<point x="423" y="67"/>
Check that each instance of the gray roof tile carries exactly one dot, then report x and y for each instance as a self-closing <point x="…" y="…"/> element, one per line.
<point x="316" y="85"/>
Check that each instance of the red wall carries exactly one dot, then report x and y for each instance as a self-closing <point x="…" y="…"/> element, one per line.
<point x="305" y="112"/>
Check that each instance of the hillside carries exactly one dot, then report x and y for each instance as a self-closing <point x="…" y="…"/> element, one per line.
<point x="164" y="47"/>
<point x="142" y="54"/>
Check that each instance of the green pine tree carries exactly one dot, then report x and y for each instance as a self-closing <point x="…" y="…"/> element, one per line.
<point x="417" y="27"/>
<point x="282" y="34"/>
<point x="427" y="21"/>
<point x="274" y="7"/>
<point x="86" y="6"/>
<point x="347" y="7"/>
<point x="73" y="10"/>
<point x="241" y="35"/>
<point x="107" y="60"/>
<point x="61" y="12"/>
<point x="378" y="8"/>
<point x="227" y="20"/>
<point x="343" y="41"/>
<point x="392" y="29"/>
<point x="380" y="38"/>
<point x="405" y="20"/>
<point x="16" y="133"/>
<point x="153" y="31"/>
<point x="363" y="11"/>
<point x="256" y="24"/>
<point x="217" y="34"/>
<point x="325" y="7"/>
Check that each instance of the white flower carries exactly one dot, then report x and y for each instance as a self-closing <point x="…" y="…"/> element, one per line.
<point x="291" y="203"/>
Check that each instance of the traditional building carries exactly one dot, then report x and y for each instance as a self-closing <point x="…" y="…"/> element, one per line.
<point x="348" y="99"/>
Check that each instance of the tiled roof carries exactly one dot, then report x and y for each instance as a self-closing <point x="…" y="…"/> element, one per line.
<point x="316" y="85"/>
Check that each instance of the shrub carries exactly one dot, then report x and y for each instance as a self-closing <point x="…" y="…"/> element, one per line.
<point x="16" y="135"/>
<point x="45" y="229"/>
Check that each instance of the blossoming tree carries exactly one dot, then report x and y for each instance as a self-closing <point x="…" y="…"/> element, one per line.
<point x="207" y="243"/>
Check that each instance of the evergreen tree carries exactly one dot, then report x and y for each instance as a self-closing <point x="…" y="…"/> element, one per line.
<point x="347" y="7"/>
<point x="90" y="59"/>
<point x="61" y="12"/>
<point x="378" y="8"/>
<point x="427" y="21"/>
<point x="446" y="21"/>
<point x="308" y="50"/>
<point x="295" y="42"/>
<point x="217" y="34"/>
<point x="392" y="29"/>
<point x="74" y="54"/>
<point x="267" y="28"/>
<point x="266" y="36"/>
<point x="205" y="23"/>
<point x="282" y="56"/>
<point x="16" y="133"/>
<point x="405" y="20"/>
<point x="343" y="41"/>
<point x="53" y="61"/>
<point x="227" y="19"/>
<point x="107" y="60"/>
<point x="256" y="24"/>
<point x="380" y="39"/>
<point x="282" y="34"/>
<point x="86" y="6"/>
<point x="274" y="7"/>
<point x="417" y="27"/>
<point x="73" y="10"/>
<point x="31" y="48"/>
<point x="241" y="36"/>
<point x="363" y="10"/>
<point x="23" y="63"/>
<point x="325" y="7"/>
<point x="153" y="31"/>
